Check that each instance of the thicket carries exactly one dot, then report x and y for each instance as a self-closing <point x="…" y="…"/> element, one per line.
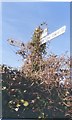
<point x="42" y="89"/>
<point x="25" y="98"/>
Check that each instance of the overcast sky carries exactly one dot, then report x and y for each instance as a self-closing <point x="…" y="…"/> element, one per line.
<point x="20" y="19"/>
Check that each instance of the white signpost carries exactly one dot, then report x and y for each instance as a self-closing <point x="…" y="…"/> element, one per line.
<point x="44" y="34"/>
<point x="16" y="43"/>
<point x="52" y="35"/>
<point x="44" y="38"/>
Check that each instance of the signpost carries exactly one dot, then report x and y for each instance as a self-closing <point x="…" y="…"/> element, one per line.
<point x="44" y="34"/>
<point x="53" y="35"/>
<point x="16" y="43"/>
<point x="44" y="38"/>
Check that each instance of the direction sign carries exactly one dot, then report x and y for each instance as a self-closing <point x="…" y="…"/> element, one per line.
<point x="53" y="35"/>
<point x="16" y="43"/>
<point x="44" y="34"/>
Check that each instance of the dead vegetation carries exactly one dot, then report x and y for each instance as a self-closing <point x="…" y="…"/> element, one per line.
<point x="42" y="89"/>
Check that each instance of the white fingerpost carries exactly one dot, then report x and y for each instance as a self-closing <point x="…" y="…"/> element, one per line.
<point x="53" y="35"/>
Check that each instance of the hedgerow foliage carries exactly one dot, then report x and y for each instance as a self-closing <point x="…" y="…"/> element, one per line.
<point x="42" y="89"/>
<point x="30" y="98"/>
